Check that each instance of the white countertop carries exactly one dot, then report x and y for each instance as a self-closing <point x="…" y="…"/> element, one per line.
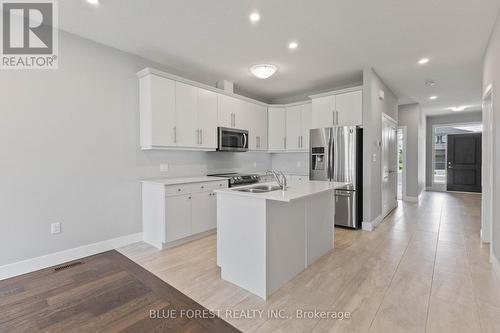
<point x="183" y="180"/>
<point x="293" y="192"/>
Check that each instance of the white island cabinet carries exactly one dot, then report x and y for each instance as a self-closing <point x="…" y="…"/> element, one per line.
<point x="178" y="210"/>
<point x="265" y="239"/>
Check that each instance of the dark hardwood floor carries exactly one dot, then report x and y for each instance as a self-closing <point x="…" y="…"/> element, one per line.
<point x="106" y="292"/>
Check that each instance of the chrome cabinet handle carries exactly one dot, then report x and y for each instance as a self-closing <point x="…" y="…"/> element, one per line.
<point x="333" y="117"/>
<point x="299" y="140"/>
<point x="337" y="117"/>
<point x="201" y="136"/>
<point x="284" y="143"/>
<point x="175" y="134"/>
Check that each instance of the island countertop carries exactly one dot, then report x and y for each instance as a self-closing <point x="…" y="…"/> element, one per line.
<point x="293" y="192"/>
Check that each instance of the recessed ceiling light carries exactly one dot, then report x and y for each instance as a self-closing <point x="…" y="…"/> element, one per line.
<point x="423" y="61"/>
<point x="254" y="17"/>
<point x="263" y="71"/>
<point x="433" y="98"/>
<point x="293" y="45"/>
<point x="458" y="108"/>
<point x="93" y="2"/>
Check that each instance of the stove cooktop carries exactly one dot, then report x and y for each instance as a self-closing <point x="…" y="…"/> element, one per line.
<point x="238" y="179"/>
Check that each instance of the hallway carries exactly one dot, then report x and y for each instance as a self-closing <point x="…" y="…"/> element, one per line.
<point x="423" y="269"/>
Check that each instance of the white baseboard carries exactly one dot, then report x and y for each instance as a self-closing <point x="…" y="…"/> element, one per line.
<point x="52" y="259"/>
<point x="496" y="265"/>
<point x="369" y="226"/>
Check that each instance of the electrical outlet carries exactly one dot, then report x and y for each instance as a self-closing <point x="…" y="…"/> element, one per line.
<point x="55" y="228"/>
<point x="374" y="157"/>
<point x="299" y="164"/>
<point x="164" y="167"/>
<point x="254" y="164"/>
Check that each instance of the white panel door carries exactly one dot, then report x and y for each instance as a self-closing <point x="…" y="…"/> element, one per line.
<point x="158" y="99"/>
<point x="276" y="128"/>
<point x="177" y="217"/>
<point x="186" y="114"/>
<point x="306" y="125"/>
<point x="293" y="127"/>
<point x="389" y="166"/>
<point x="323" y="109"/>
<point x="350" y="108"/>
<point x="204" y="212"/>
<point x="207" y="118"/>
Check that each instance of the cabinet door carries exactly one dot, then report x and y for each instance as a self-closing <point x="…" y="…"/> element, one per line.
<point x="186" y="114"/>
<point x="204" y="212"/>
<point x="255" y="121"/>
<point x="350" y="108"/>
<point x="323" y="109"/>
<point x="261" y="127"/>
<point x="177" y="217"/>
<point x="305" y="120"/>
<point x="157" y="111"/>
<point x="276" y="128"/>
<point x="207" y="118"/>
<point x="293" y="127"/>
<point x="229" y="111"/>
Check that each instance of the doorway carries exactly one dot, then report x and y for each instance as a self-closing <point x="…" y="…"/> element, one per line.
<point x="401" y="194"/>
<point x="464" y="162"/>
<point x="440" y="150"/>
<point x="389" y="164"/>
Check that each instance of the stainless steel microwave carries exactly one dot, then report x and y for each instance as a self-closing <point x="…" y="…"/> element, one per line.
<point x="232" y="139"/>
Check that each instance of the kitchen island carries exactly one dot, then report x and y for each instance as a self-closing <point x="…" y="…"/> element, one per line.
<point x="265" y="239"/>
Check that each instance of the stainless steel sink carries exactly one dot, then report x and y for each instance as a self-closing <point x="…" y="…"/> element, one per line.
<point x="260" y="189"/>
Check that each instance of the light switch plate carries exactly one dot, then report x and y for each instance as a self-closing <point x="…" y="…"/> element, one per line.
<point x="164" y="167"/>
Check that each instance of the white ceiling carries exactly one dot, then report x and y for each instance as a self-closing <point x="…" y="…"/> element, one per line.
<point x="214" y="40"/>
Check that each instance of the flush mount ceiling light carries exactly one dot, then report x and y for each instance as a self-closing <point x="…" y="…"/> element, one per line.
<point x="423" y="61"/>
<point x="293" y="45"/>
<point x="458" y="108"/>
<point x="254" y="17"/>
<point x="263" y="71"/>
<point x="93" y="2"/>
<point x="433" y="98"/>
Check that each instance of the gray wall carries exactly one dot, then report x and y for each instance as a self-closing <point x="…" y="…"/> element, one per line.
<point x="410" y="116"/>
<point x="373" y="108"/>
<point x="69" y="152"/>
<point x="491" y="76"/>
<point x="455" y="118"/>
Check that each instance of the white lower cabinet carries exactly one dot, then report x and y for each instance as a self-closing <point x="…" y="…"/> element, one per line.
<point x="177" y="217"/>
<point x="174" y="214"/>
<point x="203" y="212"/>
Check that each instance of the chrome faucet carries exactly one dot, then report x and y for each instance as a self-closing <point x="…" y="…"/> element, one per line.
<point x="280" y="178"/>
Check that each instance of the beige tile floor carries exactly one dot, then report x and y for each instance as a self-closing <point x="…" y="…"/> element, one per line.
<point x="424" y="269"/>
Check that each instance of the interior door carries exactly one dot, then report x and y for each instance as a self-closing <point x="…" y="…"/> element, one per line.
<point x="389" y="166"/>
<point x="464" y="162"/>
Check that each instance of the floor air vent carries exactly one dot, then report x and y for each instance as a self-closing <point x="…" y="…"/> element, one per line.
<point x="73" y="264"/>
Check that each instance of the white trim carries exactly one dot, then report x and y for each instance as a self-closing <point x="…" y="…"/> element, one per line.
<point x="488" y="167"/>
<point x="153" y="147"/>
<point x="337" y="92"/>
<point x="34" y="264"/>
<point x="308" y="101"/>
<point x="495" y="265"/>
<point x="149" y="70"/>
<point x="369" y="226"/>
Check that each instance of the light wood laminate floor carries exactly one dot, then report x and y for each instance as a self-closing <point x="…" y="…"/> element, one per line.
<point x="424" y="269"/>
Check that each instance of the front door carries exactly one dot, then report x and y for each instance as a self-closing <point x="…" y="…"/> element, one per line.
<point x="464" y="162"/>
<point x="389" y="166"/>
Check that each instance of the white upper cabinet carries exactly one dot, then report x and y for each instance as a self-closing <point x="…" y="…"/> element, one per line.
<point x="157" y="115"/>
<point x="186" y="114"/>
<point x="277" y="128"/>
<point x="207" y="118"/>
<point x="342" y="109"/>
<point x="255" y="121"/>
<point x="229" y="112"/>
<point x="349" y="107"/>
<point x="298" y="124"/>
<point x="323" y="111"/>
<point x="306" y="121"/>
<point x="293" y="127"/>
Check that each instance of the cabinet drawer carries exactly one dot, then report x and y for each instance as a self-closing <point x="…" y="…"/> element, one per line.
<point x="219" y="184"/>
<point x="177" y="189"/>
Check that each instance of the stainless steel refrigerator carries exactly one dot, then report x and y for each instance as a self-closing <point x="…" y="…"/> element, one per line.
<point x="336" y="154"/>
